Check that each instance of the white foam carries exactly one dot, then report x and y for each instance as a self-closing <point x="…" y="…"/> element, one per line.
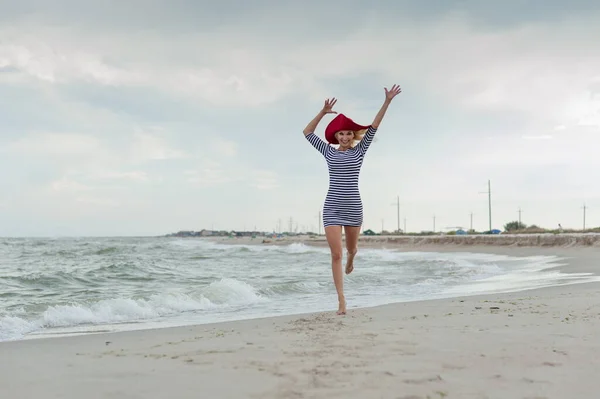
<point x="223" y="293"/>
<point x="232" y="292"/>
<point x="15" y="328"/>
<point x="300" y="248"/>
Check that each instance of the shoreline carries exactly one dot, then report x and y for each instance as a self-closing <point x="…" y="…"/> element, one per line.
<point x="535" y="343"/>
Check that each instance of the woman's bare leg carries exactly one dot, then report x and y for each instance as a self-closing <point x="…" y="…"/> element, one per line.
<point x="352" y="234"/>
<point x="334" y="239"/>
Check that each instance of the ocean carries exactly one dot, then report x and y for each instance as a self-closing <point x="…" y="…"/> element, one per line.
<point x="64" y="286"/>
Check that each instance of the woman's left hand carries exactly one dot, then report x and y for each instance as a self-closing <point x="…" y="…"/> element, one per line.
<point x="389" y="95"/>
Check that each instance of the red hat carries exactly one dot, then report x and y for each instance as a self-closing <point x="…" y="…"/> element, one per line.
<point x="340" y="122"/>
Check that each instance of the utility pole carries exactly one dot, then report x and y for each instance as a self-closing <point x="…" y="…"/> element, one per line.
<point x="519" y="218"/>
<point x="471" y="229"/>
<point x="319" y="224"/>
<point x="489" y="193"/>
<point x="434" y="223"/>
<point x="398" y="211"/>
<point x="490" y="203"/>
<point x="584" y="208"/>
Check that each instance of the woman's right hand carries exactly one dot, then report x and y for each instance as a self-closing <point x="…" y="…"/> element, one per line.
<point x="328" y="106"/>
<point x="327" y="109"/>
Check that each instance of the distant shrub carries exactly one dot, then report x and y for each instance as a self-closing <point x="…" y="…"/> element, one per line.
<point x="514" y="226"/>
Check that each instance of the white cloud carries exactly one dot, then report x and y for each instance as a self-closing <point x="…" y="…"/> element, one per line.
<point x="210" y="174"/>
<point x="573" y="150"/>
<point x="229" y="77"/>
<point x="542" y="137"/>
<point x="226" y="148"/>
<point x="589" y="114"/>
<point x="66" y="184"/>
<point x="105" y="202"/>
<point x="54" y="144"/>
<point x="70" y="154"/>
<point x="50" y="63"/>
<point x="150" y="146"/>
<point x="262" y="179"/>
<point x="116" y="175"/>
<point x="544" y="70"/>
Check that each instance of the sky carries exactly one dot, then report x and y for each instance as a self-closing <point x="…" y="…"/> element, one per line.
<point x="149" y="117"/>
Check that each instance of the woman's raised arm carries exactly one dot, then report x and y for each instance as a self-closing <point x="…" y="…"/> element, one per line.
<point x="327" y="109"/>
<point x="389" y="96"/>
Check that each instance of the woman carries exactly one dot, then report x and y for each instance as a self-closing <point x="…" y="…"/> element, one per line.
<point x="343" y="205"/>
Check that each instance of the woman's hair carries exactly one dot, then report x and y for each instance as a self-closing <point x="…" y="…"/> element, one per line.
<point x="358" y="136"/>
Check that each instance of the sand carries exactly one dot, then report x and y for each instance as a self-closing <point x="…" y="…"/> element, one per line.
<point x="533" y="344"/>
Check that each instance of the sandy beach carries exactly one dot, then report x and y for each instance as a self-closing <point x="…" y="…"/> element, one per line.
<point x="532" y="344"/>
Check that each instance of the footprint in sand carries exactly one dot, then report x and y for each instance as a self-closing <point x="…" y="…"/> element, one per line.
<point x="551" y="364"/>
<point x="423" y="380"/>
<point x="452" y="367"/>
<point x="531" y="381"/>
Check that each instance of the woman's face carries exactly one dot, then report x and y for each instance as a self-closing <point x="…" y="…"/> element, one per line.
<point x="345" y="137"/>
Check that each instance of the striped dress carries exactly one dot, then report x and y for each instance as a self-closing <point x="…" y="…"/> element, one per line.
<point x="343" y="205"/>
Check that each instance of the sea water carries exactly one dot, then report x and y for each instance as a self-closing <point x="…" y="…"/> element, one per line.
<point x="51" y="287"/>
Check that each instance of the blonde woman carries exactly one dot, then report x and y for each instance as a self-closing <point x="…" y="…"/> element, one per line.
<point x="343" y="206"/>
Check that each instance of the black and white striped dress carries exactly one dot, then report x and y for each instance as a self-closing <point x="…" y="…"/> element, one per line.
<point x="343" y="205"/>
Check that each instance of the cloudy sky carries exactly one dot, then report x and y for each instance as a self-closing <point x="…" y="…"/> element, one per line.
<point x="147" y="117"/>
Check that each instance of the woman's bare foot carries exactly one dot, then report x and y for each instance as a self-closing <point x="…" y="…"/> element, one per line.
<point x="342" y="306"/>
<point x="350" y="261"/>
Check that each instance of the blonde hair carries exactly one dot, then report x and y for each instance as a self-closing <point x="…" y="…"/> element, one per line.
<point x="358" y="136"/>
